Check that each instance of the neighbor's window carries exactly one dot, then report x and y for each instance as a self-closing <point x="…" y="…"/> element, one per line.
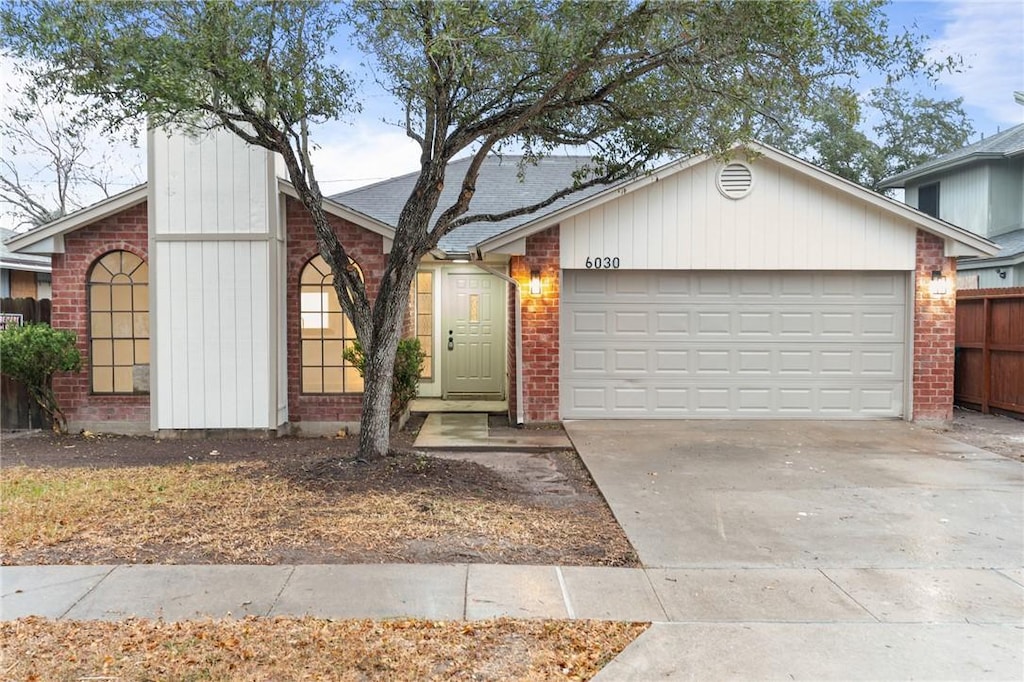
<point x="119" y="323"/>
<point x="425" y="320"/>
<point x="326" y="332"/>
<point x="928" y="199"/>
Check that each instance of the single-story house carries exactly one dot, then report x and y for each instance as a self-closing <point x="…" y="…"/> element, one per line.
<point x="761" y="287"/>
<point x="22" y="275"/>
<point x="980" y="188"/>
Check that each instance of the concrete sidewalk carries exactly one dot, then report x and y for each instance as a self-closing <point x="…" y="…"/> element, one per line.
<point x="477" y="591"/>
<point x="708" y="623"/>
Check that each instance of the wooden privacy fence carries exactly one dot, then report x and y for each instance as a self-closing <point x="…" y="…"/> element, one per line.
<point x="17" y="409"/>
<point x="990" y="349"/>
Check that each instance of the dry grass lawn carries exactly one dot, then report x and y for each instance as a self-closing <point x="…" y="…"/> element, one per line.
<point x="309" y="649"/>
<point x="246" y="512"/>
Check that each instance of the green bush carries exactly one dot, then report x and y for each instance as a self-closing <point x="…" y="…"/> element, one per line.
<point x="32" y="354"/>
<point x="405" y="384"/>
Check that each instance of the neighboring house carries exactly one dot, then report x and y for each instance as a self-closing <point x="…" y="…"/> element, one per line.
<point x="759" y="289"/>
<point x="22" y="275"/>
<point x="980" y="188"/>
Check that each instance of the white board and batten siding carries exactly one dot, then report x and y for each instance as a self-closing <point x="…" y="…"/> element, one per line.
<point x="786" y="222"/>
<point x="215" y="247"/>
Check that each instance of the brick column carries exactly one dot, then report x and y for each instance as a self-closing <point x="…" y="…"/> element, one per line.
<point x="934" y="332"/>
<point x="540" y="328"/>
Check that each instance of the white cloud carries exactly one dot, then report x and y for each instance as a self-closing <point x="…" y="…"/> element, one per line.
<point x="360" y="154"/>
<point x="989" y="35"/>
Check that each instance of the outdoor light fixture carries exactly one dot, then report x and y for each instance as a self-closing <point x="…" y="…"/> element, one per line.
<point x="1001" y="272"/>
<point x="535" y="282"/>
<point x="939" y="285"/>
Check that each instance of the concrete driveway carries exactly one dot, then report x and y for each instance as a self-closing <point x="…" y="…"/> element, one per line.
<point x="816" y="550"/>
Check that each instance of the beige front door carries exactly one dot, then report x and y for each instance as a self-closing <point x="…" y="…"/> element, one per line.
<point x="473" y="335"/>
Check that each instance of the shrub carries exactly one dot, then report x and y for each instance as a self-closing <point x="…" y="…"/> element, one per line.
<point x="32" y="354"/>
<point x="405" y="385"/>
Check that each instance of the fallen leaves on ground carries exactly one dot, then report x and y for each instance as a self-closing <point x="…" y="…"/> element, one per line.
<point x="309" y="649"/>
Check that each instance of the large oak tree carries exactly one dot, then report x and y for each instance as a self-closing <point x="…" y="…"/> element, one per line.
<point x="630" y="81"/>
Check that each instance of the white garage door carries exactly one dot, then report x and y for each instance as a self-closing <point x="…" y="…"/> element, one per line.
<point x="670" y="344"/>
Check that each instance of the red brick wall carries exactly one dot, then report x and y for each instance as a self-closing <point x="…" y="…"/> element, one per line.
<point x="540" y="329"/>
<point x="127" y="231"/>
<point x="934" y="333"/>
<point x="366" y="249"/>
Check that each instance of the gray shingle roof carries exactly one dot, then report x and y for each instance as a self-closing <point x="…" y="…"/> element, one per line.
<point x="498" y="189"/>
<point x="1011" y="242"/>
<point x="1006" y="144"/>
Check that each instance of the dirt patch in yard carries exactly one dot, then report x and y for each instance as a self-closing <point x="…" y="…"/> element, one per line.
<point x="993" y="432"/>
<point x="107" y="499"/>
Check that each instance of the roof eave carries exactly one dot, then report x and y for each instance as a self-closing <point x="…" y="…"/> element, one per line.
<point x="901" y="179"/>
<point x="343" y="211"/>
<point x="80" y="218"/>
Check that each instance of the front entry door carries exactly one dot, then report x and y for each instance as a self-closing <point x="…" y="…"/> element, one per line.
<point x="473" y="335"/>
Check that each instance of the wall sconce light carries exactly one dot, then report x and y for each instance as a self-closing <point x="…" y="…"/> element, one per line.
<point x="535" y="283"/>
<point x="939" y="286"/>
<point x="1001" y="272"/>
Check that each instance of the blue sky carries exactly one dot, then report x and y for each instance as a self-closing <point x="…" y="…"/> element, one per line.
<point x="988" y="34"/>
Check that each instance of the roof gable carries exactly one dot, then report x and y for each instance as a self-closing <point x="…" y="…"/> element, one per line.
<point x="959" y="241"/>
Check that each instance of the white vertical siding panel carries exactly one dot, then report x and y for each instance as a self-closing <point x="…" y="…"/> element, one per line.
<point x="627" y="230"/>
<point x="179" y="326"/>
<point x="211" y="314"/>
<point x="261" y="331"/>
<point x="670" y="218"/>
<point x="699" y="219"/>
<point x="567" y="239"/>
<point x="226" y="210"/>
<point x="257" y="215"/>
<point x="175" y="163"/>
<point x="206" y="186"/>
<point x="656" y="230"/>
<point x="159" y="183"/>
<point x="243" y="336"/>
<point x="164" y="347"/>
<point x="194" y="294"/>
<point x="229" y="372"/>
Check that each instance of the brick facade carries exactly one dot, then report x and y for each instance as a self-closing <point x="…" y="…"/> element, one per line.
<point x="367" y="250"/>
<point x="125" y="231"/>
<point x="934" y="321"/>
<point x="934" y="333"/>
<point x="540" y="329"/>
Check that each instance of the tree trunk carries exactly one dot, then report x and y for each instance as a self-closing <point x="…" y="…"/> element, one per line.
<point x="388" y="315"/>
<point x="375" y="421"/>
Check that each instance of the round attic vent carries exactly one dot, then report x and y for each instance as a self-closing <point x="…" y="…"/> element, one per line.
<point x="735" y="180"/>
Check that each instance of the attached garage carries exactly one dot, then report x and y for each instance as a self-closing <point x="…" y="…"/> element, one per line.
<point x="676" y="344"/>
<point x="755" y="287"/>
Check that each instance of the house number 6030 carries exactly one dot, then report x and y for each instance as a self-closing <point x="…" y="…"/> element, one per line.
<point x="602" y="263"/>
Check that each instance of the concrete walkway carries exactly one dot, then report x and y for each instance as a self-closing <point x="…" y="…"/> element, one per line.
<point x="470" y="431"/>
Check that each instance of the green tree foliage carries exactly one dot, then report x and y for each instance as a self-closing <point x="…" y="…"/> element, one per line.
<point x="32" y="354"/>
<point x="405" y="384"/>
<point x="630" y="81"/>
<point x="906" y="130"/>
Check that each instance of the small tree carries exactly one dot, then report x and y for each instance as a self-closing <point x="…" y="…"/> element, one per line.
<point x="32" y="354"/>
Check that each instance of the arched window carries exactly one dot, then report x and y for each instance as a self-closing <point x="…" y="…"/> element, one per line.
<point x="119" y="323"/>
<point x="326" y="332"/>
